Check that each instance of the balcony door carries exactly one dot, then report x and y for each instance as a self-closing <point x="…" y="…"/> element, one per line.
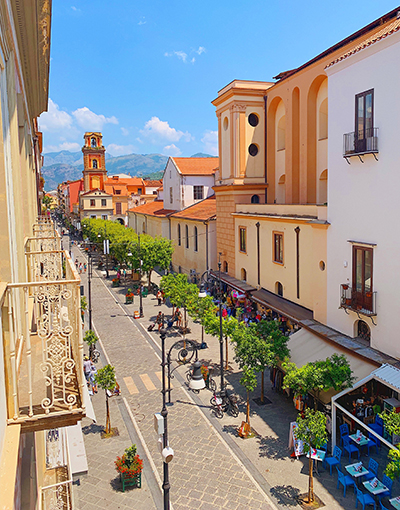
<point x="364" y="119"/>
<point x="362" y="278"/>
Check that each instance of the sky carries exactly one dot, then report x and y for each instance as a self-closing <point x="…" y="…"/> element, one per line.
<point x="145" y="73"/>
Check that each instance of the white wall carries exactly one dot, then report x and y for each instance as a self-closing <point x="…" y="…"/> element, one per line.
<point x="363" y="202"/>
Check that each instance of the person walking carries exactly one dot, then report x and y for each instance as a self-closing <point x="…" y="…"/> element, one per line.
<point x="159" y="297"/>
<point x="160" y="320"/>
<point x="87" y="365"/>
<point x="92" y="377"/>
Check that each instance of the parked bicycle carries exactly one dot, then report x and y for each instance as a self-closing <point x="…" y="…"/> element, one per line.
<point x="224" y="404"/>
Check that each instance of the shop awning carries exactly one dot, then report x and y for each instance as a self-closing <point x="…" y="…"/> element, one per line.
<point x="281" y="305"/>
<point x="305" y="346"/>
<point x="238" y="285"/>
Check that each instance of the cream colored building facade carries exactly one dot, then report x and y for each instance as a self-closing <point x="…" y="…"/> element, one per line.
<point x="33" y="269"/>
<point x="96" y="204"/>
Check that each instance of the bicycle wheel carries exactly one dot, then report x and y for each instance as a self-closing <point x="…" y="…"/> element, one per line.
<point x="234" y="409"/>
<point x="213" y="402"/>
<point x="212" y="385"/>
<point x="218" y="412"/>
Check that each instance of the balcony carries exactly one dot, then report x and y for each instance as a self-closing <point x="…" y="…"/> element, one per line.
<point x="365" y="143"/>
<point x="362" y="303"/>
<point x="42" y="332"/>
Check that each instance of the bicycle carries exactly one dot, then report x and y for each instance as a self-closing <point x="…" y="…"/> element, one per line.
<point x="225" y="404"/>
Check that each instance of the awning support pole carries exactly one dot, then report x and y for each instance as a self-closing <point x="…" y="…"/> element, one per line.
<point x="333" y="426"/>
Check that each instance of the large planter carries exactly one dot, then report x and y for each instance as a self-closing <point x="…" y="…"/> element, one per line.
<point x="128" y="300"/>
<point x="115" y="283"/>
<point x="131" y="480"/>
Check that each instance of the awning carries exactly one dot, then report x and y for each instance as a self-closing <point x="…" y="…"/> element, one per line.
<point x="281" y="305"/>
<point x="238" y="285"/>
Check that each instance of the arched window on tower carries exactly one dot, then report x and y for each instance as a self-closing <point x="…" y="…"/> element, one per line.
<point x="95" y="163"/>
<point x="93" y="142"/>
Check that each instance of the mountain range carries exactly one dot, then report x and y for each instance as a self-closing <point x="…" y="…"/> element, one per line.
<point x="64" y="165"/>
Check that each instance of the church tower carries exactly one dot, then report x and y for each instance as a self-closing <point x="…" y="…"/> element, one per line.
<point x="94" y="162"/>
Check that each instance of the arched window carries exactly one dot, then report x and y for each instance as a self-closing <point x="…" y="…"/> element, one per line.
<point x="243" y="274"/>
<point x="179" y="234"/>
<point x="255" y="199"/>
<point x="363" y="331"/>
<point x="195" y="239"/>
<point x="225" y="266"/>
<point x="279" y="288"/>
<point x="187" y="236"/>
<point x="95" y="163"/>
<point x="93" y="142"/>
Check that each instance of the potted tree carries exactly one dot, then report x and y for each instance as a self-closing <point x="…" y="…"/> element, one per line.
<point x="115" y="282"/>
<point x="105" y="378"/>
<point x="130" y="466"/>
<point x="129" y="297"/>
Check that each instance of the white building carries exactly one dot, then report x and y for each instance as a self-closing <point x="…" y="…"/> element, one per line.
<point x="363" y="245"/>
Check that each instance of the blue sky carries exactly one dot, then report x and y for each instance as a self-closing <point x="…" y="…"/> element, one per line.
<point x="145" y="73"/>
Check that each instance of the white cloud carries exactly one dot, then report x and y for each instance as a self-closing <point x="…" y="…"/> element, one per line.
<point x="210" y="140"/>
<point x="180" y="54"/>
<point x="54" y="118"/>
<point x="92" y="121"/>
<point x="200" y="50"/>
<point x="120" y="150"/>
<point x="124" y="131"/>
<point x="158" y="129"/>
<point x="65" y="146"/>
<point x="142" y="21"/>
<point x="172" y="150"/>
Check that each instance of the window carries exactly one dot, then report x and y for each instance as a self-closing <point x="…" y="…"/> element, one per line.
<point x="255" y="199"/>
<point x="364" y="119"/>
<point x="171" y="195"/>
<point x="187" y="236"/>
<point x="195" y="239"/>
<point x="93" y="142"/>
<point x="225" y="266"/>
<point x="253" y="119"/>
<point x="362" y="277"/>
<point x="242" y="239"/>
<point x="139" y="191"/>
<point x="279" y="289"/>
<point x="92" y="202"/>
<point x="117" y="191"/>
<point x="198" y="192"/>
<point x="103" y="202"/>
<point x="118" y="207"/>
<point x="253" y="149"/>
<point x="363" y="331"/>
<point x="278" y="247"/>
<point x="179" y="234"/>
<point x="93" y="217"/>
<point x="94" y="163"/>
<point x="104" y="217"/>
<point x="243" y="273"/>
<point x="144" y="227"/>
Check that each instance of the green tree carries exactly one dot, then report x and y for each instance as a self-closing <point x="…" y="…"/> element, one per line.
<point x="179" y="291"/>
<point x="90" y="337"/>
<point x="249" y="382"/>
<point x="212" y="325"/>
<point x="391" y="421"/>
<point x="46" y="201"/>
<point x="105" y="378"/>
<point x="312" y="431"/>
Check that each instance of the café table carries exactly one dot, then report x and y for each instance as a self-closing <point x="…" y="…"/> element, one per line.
<point x="375" y="490"/>
<point x="363" y="441"/>
<point x="350" y="468"/>
<point x="316" y="455"/>
<point x="395" y="502"/>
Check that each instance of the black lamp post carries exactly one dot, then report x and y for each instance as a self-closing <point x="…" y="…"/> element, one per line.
<point x="140" y="281"/>
<point x="90" y="262"/>
<point x="221" y="340"/>
<point x="164" y="413"/>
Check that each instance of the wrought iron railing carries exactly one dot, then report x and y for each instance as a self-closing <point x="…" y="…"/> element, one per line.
<point x="362" y="142"/>
<point x="363" y="303"/>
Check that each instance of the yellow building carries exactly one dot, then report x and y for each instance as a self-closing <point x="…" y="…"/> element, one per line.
<point x="41" y="376"/>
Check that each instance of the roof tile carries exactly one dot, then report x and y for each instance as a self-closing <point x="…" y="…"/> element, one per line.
<point x="196" y="166"/>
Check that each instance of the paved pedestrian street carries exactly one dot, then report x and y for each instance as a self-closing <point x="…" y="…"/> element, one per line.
<point x="212" y="468"/>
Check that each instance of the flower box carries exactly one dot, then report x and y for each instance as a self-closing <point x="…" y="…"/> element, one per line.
<point x="115" y="282"/>
<point x="129" y="298"/>
<point x="131" y="480"/>
<point x="129" y="467"/>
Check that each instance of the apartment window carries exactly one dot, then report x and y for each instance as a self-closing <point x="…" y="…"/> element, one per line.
<point x="187" y="236"/>
<point x="195" y="239"/>
<point x="103" y="202"/>
<point x="139" y="191"/>
<point x="198" y="192"/>
<point x="362" y="277"/>
<point x="117" y="191"/>
<point x="278" y="247"/>
<point x="171" y="195"/>
<point x="118" y="208"/>
<point x="225" y="266"/>
<point x="243" y="274"/>
<point x="242" y="239"/>
<point x="279" y="289"/>
<point x="104" y="217"/>
<point x="92" y="202"/>
<point x="364" y="122"/>
<point x="93" y="217"/>
<point x="179" y="235"/>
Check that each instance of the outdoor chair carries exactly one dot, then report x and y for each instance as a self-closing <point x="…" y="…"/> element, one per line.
<point x="382" y="506"/>
<point x="373" y="467"/>
<point x="372" y="441"/>
<point x="334" y="460"/>
<point x="344" y="432"/>
<point x="389" y="483"/>
<point x="350" y="448"/>
<point x="345" y="480"/>
<point x="377" y="426"/>
<point x="364" y="499"/>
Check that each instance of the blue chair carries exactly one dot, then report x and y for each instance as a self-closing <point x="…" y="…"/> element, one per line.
<point x="334" y="460"/>
<point x="373" y="467"/>
<point x="344" y="431"/>
<point x="350" y="448"/>
<point x="389" y="483"/>
<point x="382" y="506"/>
<point x="377" y="426"/>
<point x="364" y="499"/>
<point x="372" y="441"/>
<point x="345" y="480"/>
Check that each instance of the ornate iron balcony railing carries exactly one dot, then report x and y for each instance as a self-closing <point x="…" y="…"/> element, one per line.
<point x="363" y="303"/>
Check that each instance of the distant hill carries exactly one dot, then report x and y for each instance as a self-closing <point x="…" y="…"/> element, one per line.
<point x="64" y="165"/>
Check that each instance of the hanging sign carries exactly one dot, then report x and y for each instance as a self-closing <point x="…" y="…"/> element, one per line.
<point x="296" y="444"/>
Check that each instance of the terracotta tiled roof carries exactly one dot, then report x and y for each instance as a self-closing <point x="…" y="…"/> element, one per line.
<point x="155" y="208"/>
<point x="385" y="31"/>
<point x="196" y="166"/>
<point x="133" y="181"/>
<point x="201" y="211"/>
<point x="74" y="188"/>
<point x="93" y="190"/>
<point x="152" y="183"/>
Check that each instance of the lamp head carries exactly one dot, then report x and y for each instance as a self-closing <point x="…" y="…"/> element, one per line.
<point x="197" y="380"/>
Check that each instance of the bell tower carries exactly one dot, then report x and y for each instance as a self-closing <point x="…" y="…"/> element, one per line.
<point x="94" y="162"/>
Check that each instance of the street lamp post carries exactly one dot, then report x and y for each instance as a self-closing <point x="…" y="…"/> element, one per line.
<point x="164" y="413"/>
<point x="140" y="281"/>
<point x="221" y="340"/>
<point x="90" y="287"/>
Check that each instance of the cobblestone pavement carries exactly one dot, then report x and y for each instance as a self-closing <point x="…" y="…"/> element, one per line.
<point x="213" y="468"/>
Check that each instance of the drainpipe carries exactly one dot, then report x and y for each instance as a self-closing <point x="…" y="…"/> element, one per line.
<point x="258" y="253"/>
<point x="297" y="230"/>
<point x="206" y="224"/>
<point x="265" y="145"/>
